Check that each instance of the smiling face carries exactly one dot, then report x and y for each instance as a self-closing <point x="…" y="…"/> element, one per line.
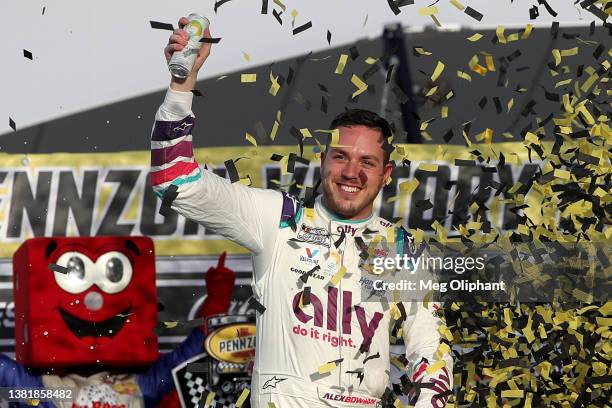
<point x="354" y="172"/>
<point x="103" y="311"/>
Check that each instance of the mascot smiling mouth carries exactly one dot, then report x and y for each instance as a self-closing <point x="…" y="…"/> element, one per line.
<point x="84" y="328"/>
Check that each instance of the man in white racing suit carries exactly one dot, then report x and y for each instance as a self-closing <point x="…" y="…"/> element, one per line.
<point x="318" y="344"/>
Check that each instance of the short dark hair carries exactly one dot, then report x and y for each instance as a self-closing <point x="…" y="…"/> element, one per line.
<point x="362" y="117"/>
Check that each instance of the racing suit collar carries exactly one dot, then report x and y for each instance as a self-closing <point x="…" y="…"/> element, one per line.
<point x="329" y="217"/>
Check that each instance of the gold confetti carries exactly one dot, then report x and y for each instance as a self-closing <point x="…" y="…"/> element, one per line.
<point x="499" y="32"/>
<point x="512" y="394"/>
<point x="488" y="136"/>
<point x="341" y="64"/>
<point x="458" y="5"/>
<point x="435" y="20"/>
<point x="361" y="86"/>
<point x="428" y="167"/>
<point x="171" y="324"/>
<point x="569" y="52"/>
<point x="557" y="56"/>
<point x="251" y="139"/>
<point x="527" y="32"/>
<point x="476" y="67"/>
<point x="294" y="14"/>
<point x="246" y="56"/>
<point x="327" y="368"/>
<point x="280" y="4"/>
<point x="371" y="60"/>
<point x="475" y="37"/>
<point x="428" y="11"/>
<point x="275" y="86"/>
<point x="274" y="130"/>
<point x="464" y="75"/>
<point x="422" y="51"/>
<point x="338" y="276"/>
<point x="243" y="397"/>
<point x="431" y="91"/>
<point x="489" y="62"/>
<point x="305" y="132"/>
<point x="437" y="71"/>
<point x="435" y="367"/>
<point x="444" y="112"/>
<point x="409" y="186"/>
<point x="209" y="399"/>
<point x="248" y="78"/>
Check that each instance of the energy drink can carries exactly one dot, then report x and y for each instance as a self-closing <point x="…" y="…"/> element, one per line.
<point x="181" y="63"/>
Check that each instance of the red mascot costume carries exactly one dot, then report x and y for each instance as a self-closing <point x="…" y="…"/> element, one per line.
<point x="85" y="311"/>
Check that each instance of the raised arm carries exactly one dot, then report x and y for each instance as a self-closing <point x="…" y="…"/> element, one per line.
<point x="247" y="216"/>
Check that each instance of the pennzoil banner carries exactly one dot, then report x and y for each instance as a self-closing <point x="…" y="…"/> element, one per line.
<point x="91" y="194"/>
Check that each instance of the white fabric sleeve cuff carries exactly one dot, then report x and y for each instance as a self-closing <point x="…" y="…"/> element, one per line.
<point x="177" y="104"/>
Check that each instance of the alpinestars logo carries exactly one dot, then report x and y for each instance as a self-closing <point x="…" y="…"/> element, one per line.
<point x="271" y="383"/>
<point x="182" y="126"/>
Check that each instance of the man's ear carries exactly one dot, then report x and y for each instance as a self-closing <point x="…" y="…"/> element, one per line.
<point x="323" y="155"/>
<point x="387" y="172"/>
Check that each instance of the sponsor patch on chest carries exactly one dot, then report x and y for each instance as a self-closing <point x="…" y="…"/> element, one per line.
<point x="314" y="235"/>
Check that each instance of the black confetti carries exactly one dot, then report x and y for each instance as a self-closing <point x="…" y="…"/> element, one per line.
<point x="59" y="269"/>
<point x="27" y="54"/>
<point x="219" y="4"/>
<point x="598" y="51"/>
<point x="232" y="171"/>
<point x="304" y="277"/>
<point x="324" y="103"/>
<point x="372" y="357"/>
<point x="551" y="96"/>
<point x="393" y="6"/>
<point x="306" y="296"/>
<point x="483" y="102"/>
<point x="533" y="13"/>
<point x="167" y="199"/>
<point x="473" y="13"/>
<point x="498" y="106"/>
<point x="513" y="56"/>
<point x="599" y="13"/>
<point x="44" y="8"/>
<point x="256" y="305"/>
<point x="389" y="73"/>
<point x="548" y="8"/>
<point x="554" y="30"/>
<point x="12" y="124"/>
<point x="354" y="53"/>
<point x="161" y="26"/>
<point x="196" y="92"/>
<point x="301" y="28"/>
<point x="528" y="108"/>
<point x="339" y="241"/>
<point x="448" y="135"/>
<point x="462" y="162"/>
<point x="264" y="6"/>
<point x="277" y="16"/>
<point x="209" y="40"/>
<point x="329" y="36"/>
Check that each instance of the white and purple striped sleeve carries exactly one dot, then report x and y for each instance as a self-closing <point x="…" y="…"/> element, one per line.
<point x="172" y="160"/>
